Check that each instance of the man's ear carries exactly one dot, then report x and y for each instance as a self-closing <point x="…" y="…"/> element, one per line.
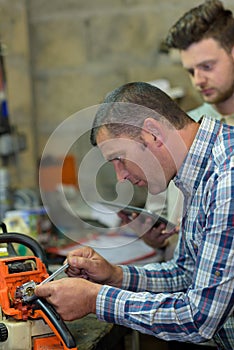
<point x="154" y="130"/>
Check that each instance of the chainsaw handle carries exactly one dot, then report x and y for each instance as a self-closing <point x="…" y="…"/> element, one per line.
<point x="56" y="323"/>
<point x="31" y="243"/>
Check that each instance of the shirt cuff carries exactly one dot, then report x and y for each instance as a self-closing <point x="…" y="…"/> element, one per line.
<point x="126" y="276"/>
<point x="110" y="304"/>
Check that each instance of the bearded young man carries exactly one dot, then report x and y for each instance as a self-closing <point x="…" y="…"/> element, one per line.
<point x="204" y="37"/>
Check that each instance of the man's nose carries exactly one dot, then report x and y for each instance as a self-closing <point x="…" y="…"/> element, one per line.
<point x="120" y="170"/>
<point x="199" y="78"/>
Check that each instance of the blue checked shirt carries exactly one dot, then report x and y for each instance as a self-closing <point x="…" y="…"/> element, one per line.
<point x="190" y="298"/>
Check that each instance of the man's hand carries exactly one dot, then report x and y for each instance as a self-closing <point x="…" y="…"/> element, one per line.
<point x="155" y="236"/>
<point x="72" y="298"/>
<point x="76" y="297"/>
<point x="86" y="263"/>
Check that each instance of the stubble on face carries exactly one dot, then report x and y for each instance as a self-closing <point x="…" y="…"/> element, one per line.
<point x="221" y="95"/>
<point x="215" y="68"/>
<point x="142" y="166"/>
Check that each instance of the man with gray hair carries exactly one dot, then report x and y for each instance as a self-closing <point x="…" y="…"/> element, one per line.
<point x="151" y="141"/>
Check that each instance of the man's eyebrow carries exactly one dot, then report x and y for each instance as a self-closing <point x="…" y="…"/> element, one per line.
<point x="207" y="61"/>
<point x="203" y="63"/>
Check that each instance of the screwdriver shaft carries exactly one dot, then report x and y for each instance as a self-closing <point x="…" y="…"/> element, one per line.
<point x="55" y="273"/>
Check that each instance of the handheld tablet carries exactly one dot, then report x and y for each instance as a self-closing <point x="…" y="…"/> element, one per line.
<point x="129" y="210"/>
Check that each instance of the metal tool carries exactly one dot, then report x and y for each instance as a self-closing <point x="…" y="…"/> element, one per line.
<point x="55" y="273"/>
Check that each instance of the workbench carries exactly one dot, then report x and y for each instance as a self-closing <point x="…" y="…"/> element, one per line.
<point x="90" y="334"/>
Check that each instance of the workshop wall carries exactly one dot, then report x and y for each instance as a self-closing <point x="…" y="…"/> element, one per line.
<point x="63" y="56"/>
<point x="14" y="36"/>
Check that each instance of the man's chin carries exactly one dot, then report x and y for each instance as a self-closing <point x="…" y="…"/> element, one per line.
<point x="155" y="189"/>
<point x="213" y="99"/>
<point x="209" y="99"/>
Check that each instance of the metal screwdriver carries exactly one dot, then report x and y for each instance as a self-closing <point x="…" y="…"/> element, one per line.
<point x="55" y="273"/>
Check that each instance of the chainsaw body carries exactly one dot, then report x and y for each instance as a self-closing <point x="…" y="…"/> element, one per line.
<point x="28" y="322"/>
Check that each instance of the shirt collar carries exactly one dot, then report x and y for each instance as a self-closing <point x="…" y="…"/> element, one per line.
<point x="195" y="163"/>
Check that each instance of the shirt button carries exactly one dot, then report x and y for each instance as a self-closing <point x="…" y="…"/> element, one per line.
<point x="217" y="273"/>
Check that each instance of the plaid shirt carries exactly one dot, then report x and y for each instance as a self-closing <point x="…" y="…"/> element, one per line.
<point x="190" y="298"/>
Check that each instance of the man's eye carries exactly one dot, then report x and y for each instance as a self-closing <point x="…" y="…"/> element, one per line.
<point x="207" y="67"/>
<point x="116" y="158"/>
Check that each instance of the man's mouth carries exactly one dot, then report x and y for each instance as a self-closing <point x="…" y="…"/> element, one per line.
<point x="136" y="182"/>
<point x="207" y="92"/>
<point x="139" y="183"/>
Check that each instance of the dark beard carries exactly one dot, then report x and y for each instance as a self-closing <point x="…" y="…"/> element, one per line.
<point x="222" y="97"/>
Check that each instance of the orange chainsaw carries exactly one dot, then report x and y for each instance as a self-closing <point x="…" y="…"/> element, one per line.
<point x="28" y="322"/>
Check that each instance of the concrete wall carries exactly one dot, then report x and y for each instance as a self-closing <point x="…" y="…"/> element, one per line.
<point x="63" y="56"/>
<point x="14" y="36"/>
